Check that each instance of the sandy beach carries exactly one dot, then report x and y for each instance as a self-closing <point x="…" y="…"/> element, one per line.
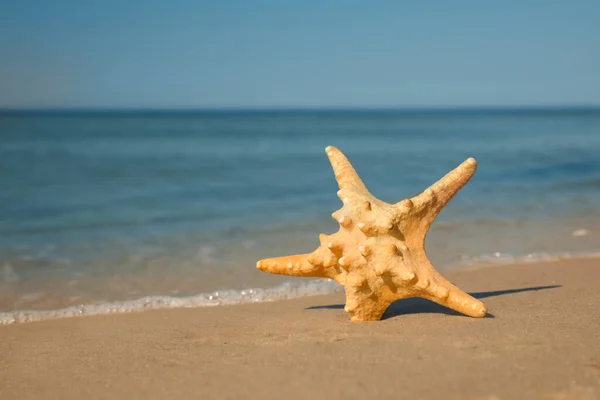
<point x="541" y="340"/>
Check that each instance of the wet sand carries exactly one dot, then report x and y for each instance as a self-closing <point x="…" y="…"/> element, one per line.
<point x="541" y="340"/>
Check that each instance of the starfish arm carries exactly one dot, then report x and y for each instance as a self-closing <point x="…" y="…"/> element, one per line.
<point x="446" y="294"/>
<point x="440" y="193"/>
<point x="344" y="172"/>
<point x="296" y="265"/>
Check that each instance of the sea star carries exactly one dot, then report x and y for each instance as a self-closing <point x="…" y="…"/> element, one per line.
<point x="378" y="254"/>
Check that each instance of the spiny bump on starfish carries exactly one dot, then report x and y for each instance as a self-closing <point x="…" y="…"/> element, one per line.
<point x="378" y="254"/>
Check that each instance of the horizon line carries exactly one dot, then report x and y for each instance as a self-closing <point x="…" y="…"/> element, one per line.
<point x="244" y="109"/>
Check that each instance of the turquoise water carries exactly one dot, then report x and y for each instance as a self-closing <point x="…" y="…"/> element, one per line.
<point x="99" y="207"/>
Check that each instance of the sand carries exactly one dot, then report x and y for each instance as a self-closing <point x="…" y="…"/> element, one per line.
<point x="542" y="340"/>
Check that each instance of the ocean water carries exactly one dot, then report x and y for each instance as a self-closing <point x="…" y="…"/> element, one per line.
<point x="108" y="212"/>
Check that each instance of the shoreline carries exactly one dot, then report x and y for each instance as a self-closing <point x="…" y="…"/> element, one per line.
<point x="540" y="340"/>
<point x="294" y="288"/>
<point x="55" y="281"/>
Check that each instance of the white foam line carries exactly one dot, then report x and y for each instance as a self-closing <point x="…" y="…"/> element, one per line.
<point x="287" y="290"/>
<point x="508" y="259"/>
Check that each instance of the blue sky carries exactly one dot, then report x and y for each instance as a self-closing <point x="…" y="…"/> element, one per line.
<point x="171" y="54"/>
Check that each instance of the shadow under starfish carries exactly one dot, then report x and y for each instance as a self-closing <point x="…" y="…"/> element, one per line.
<point x="419" y="305"/>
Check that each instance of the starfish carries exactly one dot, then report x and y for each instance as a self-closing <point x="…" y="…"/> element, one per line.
<point x="378" y="254"/>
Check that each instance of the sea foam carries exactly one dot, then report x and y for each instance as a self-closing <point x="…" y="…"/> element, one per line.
<point x="286" y="290"/>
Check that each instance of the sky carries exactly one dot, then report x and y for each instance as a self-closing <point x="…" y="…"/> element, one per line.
<point x="298" y="54"/>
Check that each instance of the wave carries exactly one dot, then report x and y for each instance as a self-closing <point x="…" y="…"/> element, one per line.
<point x="284" y="291"/>
<point x="498" y="258"/>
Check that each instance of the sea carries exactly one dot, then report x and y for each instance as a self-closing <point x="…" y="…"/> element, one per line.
<point x="119" y="211"/>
